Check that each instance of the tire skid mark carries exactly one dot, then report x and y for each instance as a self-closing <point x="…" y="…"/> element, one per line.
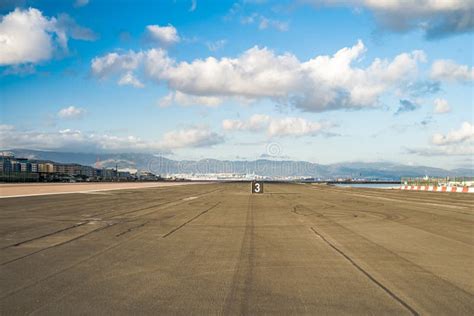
<point x="73" y="265"/>
<point x="333" y="222"/>
<point x="45" y="235"/>
<point x="411" y="201"/>
<point x="120" y="200"/>
<point x="88" y="233"/>
<point x="180" y="201"/>
<point x="245" y="264"/>
<point x="461" y="201"/>
<point x="78" y="263"/>
<point x="396" y="198"/>
<point x="59" y="244"/>
<point x="396" y="218"/>
<point x="173" y="203"/>
<point x="93" y="201"/>
<point x="72" y="201"/>
<point x="299" y="210"/>
<point x="367" y="274"/>
<point x="131" y="229"/>
<point x="190" y="220"/>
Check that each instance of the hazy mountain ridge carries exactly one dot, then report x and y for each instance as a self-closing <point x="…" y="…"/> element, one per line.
<point x="266" y="167"/>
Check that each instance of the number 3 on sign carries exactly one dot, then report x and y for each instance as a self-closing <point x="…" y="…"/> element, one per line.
<point x="257" y="187"/>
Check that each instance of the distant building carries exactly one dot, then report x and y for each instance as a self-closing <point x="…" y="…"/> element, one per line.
<point x="124" y="175"/>
<point x="106" y="174"/>
<point x="88" y="172"/>
<point x="46" y="167"/>
<point x="69" y="169"/>
<point x="147" y="176"/>
<point x="25" y="167"/>
<point x="17" y="169"/>
<point x="34" y="167"/>
<point x="22" y="169"/>
<point x="16" y="166"/>
<point x="5" y="164"/>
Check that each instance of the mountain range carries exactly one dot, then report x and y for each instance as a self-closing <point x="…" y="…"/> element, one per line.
<point x="263" y="167"/>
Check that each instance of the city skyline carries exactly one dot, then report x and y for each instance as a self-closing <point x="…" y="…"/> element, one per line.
<point x="319" y="81"/>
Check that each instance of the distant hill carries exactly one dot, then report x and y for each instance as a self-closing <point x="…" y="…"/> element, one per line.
<point x="265" y="167"/>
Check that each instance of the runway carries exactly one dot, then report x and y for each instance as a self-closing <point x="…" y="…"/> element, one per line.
<point x="34" y="189"/>
<point x="217" y="249"/>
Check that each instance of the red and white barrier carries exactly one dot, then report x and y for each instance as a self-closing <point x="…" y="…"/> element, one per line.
<point x="434" y="188"/>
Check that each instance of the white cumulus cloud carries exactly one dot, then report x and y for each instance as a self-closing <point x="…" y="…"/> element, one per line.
<point x="441" y="106"/>
<point x="277" y="127"/>
<point x="76" y="140"/>
<point x="27" y="36"/>
<point x="166" y="35"/>
<point x="183" y="99"/>
<point x="128" y="79"/>
<point x="321" y="83"/>
<point x="463" y="134"/>
<point x="318" y="84"/>
<point x="295" y="126"/>
<point x="115" y="63"/>
<point x="71" y="112"/>
<point x="458" y="142"/>
<point x="450" y="71"/>
<point x="191" y="137"/>
<point x="436" y="18"/>
<point x="256" y="122"/>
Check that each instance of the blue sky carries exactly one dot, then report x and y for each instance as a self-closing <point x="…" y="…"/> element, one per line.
<point x="318" y="80"/>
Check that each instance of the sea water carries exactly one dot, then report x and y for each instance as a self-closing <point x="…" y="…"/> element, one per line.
<point x="369" y="185"/>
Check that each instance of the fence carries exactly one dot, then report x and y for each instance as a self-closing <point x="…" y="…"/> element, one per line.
<point x="436" y="181"/>
<point x="447" y="184"/>
<point x="19" y="177"/>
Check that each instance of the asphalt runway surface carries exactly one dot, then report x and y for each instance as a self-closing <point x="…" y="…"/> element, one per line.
<point x="217" y="249"/>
